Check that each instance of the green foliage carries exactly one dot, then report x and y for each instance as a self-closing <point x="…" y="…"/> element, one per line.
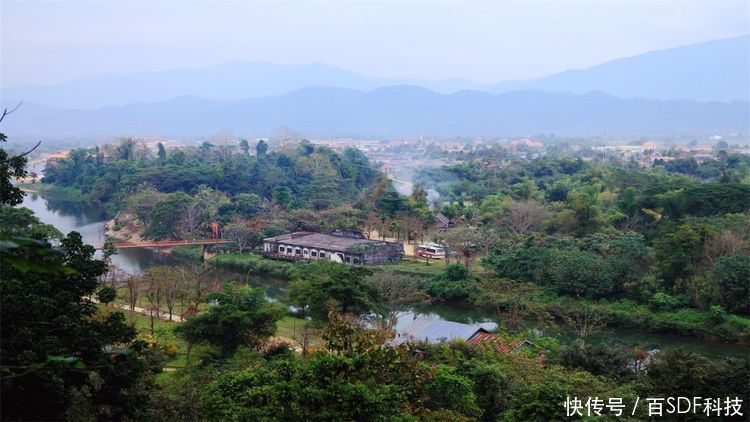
<point x="609" y="360"/>
<point x="359" y="380"/>
<point x="582" y="274"/>
<point x="448" y="390"/>
<point x="11" y="167"/>
<point x="166" y="215"/>
<point x="706" y="199"/>
<point x="732" y="274"/>
<point x="322" y="179"/>
<point x="54" y="338"/>
<point x="241" y="316"/>
<point x="256" y="264"/>
<point x="453" y="284"/>
<point x="677" y="372"/>
<point x="23" y="222"/>
<point x="322" y="285"/>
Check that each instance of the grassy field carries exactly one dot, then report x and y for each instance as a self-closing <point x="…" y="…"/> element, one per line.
<point x="188" y="252"/>
<point x="420" y="267"/>
<point x="143" y="303"/>
<point x="291" y="327"/>
<point x="163" y="334"/>
<point x="282" y="269"/>
<point x="254" y="264"/>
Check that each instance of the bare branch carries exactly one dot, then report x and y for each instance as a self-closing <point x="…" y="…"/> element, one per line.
<point x="6" y="112"/>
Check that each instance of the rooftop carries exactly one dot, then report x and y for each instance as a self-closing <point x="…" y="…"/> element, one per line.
<point x="436" y="331"/>
<point x="320" y="240"/>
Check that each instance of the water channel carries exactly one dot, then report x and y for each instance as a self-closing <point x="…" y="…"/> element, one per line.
<point x="89" y="218"/>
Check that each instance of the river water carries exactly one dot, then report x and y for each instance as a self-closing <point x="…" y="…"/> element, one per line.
<point x="89" y="218"/>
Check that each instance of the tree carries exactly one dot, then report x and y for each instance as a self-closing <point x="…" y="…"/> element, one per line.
<point x="244" y="146"/>
<point x="419" y="196"/>
<point x="174" y="284"/>
<point x="453" y="284"/>
<point x="241" y="316"/>
<point x="612" y="361"/>
<point x="133" y="289"/>
<point x="166" y="216"/>
<point x="466" y="240"/>
<point x="282" y="196"/>
<point x="581" y="274"/>
<point x="398" y="292"/>
<point x="448" y="390"/>
<point x="23" y="222"/>
<point x="586" y="208"/>
<point x="11" y="168"/>
<point x="323" y="284"/>
<point x="357" y="379"/>
<point x="523" y="216"/>
<point x="584" y="319"/>
<point x="261" y="148"/>
<point x="513" y="301"/>
<point x="54" y="341"/>
<point x="732" y="274"/>
<point x="240" y="233"/>
<point x="161" y="153"/>
<point x="153" y="289"/>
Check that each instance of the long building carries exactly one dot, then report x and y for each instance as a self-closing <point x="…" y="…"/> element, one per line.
<point x="344" y="247"/>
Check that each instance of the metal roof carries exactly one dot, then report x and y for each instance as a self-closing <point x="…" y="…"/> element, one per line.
<point x="436" y="331"/>
<point x="323" y="241"/>
<point x="491" y="342"/>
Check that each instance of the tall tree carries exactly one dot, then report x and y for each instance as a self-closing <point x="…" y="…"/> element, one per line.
<point x="241" y="316"/>
<point x="323" y="285"/>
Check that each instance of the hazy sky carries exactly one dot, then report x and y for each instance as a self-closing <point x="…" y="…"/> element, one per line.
<point x="54" y="41"/>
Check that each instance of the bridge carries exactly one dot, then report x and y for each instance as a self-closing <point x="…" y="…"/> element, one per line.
<point x="169" y="244"/>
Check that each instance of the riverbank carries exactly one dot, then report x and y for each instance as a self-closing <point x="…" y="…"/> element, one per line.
<point x="624" y="314"/>
<point x="123" y="227"/>
<point x="254" y="264"/>
<point x="54" y="191"/>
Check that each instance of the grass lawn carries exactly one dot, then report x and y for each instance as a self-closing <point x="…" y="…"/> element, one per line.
<point x="420" y="267"/>
<point x="290" y="327"/>
<point x="163" y="334"/>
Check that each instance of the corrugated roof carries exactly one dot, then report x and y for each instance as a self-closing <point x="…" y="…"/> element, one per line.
<point x="436" y="331"/>
<point x="491" y="342"/>
<point x="320" y="240"/>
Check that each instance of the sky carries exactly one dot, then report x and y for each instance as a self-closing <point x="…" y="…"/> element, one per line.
<point x="53" y="41"/>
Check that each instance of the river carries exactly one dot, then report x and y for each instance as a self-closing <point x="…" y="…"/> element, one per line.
<point x="89" y="218"/>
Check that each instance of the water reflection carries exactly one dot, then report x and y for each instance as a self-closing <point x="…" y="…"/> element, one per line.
<point x="88" y="218"/>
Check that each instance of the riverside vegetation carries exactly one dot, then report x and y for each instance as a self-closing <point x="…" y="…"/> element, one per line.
<point x="535" y="239"/>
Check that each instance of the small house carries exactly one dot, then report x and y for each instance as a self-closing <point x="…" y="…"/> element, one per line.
<point x="443" y="221"/>
<point x="439" y="331"/>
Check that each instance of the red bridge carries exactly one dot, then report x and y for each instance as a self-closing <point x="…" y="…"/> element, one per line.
<point x="166" y="243"/>
<point x="170" y="244"/>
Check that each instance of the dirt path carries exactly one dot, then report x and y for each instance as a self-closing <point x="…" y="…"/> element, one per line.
<point x="143" y="311"/>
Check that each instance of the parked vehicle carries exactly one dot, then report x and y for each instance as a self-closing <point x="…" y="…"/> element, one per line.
<point x="431" y="250"/>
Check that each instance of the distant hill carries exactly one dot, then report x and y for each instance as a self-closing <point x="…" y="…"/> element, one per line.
<point x="229" y="81"/>
<point x="391" y="111"/>
<point x="710" y="71"/>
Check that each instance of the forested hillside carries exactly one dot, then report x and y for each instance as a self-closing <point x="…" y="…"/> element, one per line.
<point x="175" y="193"/>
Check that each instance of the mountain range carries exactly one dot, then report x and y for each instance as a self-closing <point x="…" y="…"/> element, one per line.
<point x="392" y="112"/>
<point x="699" y="88"/>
